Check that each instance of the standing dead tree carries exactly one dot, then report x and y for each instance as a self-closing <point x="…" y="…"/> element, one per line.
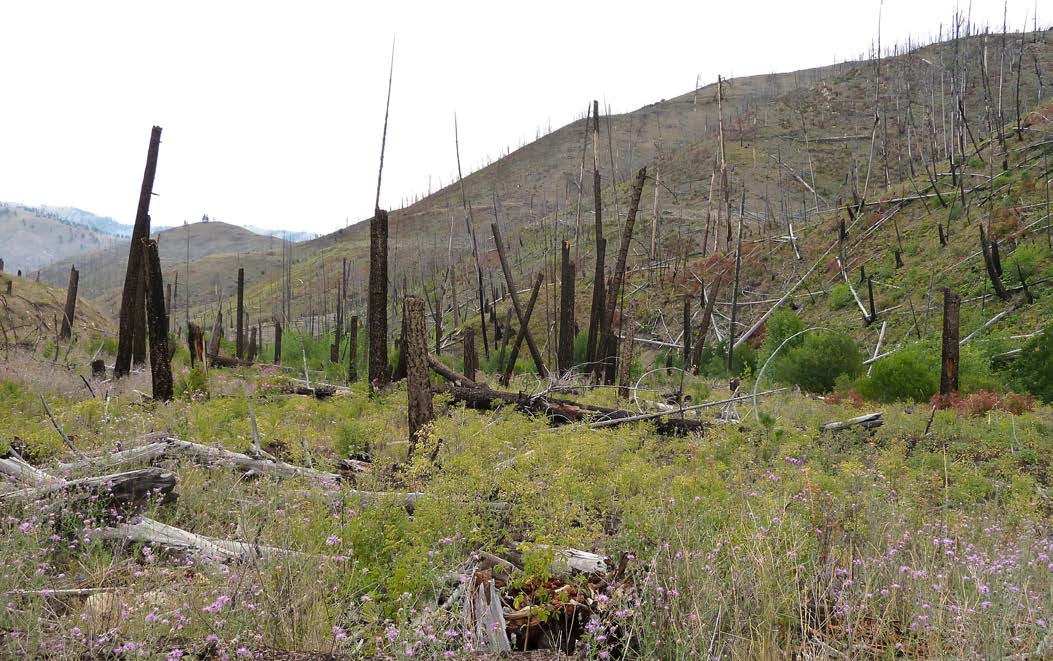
<point x="949" y="372"/>
<point x="565" y="353"/>
<point x="520" y="314"/>
<point x="610" y="343"/>
<point x="71" y="304"/>
<point x="277" y="341"/>
<point x="240" y="339"/>
<point x="471" y="358"/>
<point x="992" y="268"/>
<point x="703" y="330"/>
<point x="132" y="303"/>
<point x="469" y="224"/>
<point x="378" y="300"/>
<point x="160" y="359"/>
<point x="352" y="349"/>
<point x="419" y="408"/>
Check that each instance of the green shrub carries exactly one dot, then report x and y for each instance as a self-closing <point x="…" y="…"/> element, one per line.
<point x="913" y="373"/>
<point x="191" y="385"/>
<point x="840" y="297"/>
<point x="820" y="359"/>
<point x="780" y="325"/>
<point x="1033" y="371"/>
<point x="1024" y="261"/>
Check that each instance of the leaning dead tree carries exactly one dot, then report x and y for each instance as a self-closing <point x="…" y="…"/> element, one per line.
<point x="160" y="359"/>
<point x="71" y="304"/>
<point x="523" y="316"/>
<point x="610" y="337"/>
<point x="132" y="299"/>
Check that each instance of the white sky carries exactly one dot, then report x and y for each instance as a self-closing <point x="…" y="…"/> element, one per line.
<point x="272" y="111"/>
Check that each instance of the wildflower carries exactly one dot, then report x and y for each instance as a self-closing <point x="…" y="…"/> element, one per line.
<point x="332" y="540"/>
<point x="217" y="605"/>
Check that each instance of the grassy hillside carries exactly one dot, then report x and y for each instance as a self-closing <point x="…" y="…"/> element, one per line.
<point x="216" y="250"/>
<point x="34" y="238"/>
<point x="802" y="146"/>
<point x="33" y="311"/>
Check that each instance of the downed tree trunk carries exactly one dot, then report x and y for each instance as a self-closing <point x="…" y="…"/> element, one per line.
<point x="524" y="324"/>
<point x="123" y="493"/>
<point x="868" y="421"/>
<point x="558" y="411"/>
<point x="166" y="446"/>
<point x="219" y="550"/>
<point x="448" y="373"/>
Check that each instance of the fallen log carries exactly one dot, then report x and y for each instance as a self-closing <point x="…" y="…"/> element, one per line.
<point x="448" y="373"/>
<point x="868" y="421"/>
<point x="219" y="550"/>
<point x="122" y="492"/>
<point x="558" y="411"/>
<point x="170" y="447"/>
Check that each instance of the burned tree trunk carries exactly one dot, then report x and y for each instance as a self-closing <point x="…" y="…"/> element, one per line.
<point x="687" y="331"/>
<point x="524" y="332"/>
<point x="523" y="318"/>
<point x="71" y="304"/>
<point x="277" y="342"/>
<point x="870" y="292"/>
<point x="250" y="353"/>
<point x="610" y="343"/>
<point x="168" y="296"/>
<point x="471" y="358"/>
<point x="703" y="330"/>
<point x="240" y="340"/>
<point x="992" y="271"/>
<point x="192" y="334"/>
<point x="217" y="335"/>
<point x="378" y="295"/>
<point x="626" y="359"/>
<point x="599" y="298"/>
<point x="131" y="306"/>
<point x="949" y="371"/>
<point x="400" y="364"/>
<point x="418" y="406"/>
<point x="139" y="318"/>
<point x="565" y="353"/>
<point x="352" y="350"/>
<point x="160" y="359"/>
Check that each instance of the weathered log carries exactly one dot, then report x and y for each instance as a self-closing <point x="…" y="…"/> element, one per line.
<point x="123" y="493"/>
<point x="160" y="358"/>
<point x="949" y="356"/>
<point x="868" y="421"/>
<point x="418" y="406"/>
<point x="131" y="306"/>
<point x="211" y="548"/>
<point x="71" y="304"/>
<point x="451" y="375"/>
<point x="558" y="411"/>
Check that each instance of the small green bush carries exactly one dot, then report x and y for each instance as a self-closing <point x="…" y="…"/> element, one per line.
<point x="913" y="373"/>
<point x="840" y="297"/>
<point x="1033" y="371"/>
<point x="192" y="385"/>
<point x="780" y="325"/>
<point x="820" y="359"/>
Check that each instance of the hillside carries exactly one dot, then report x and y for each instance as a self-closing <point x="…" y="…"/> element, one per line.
<point x="800" y="146"/>
<point x="34" y="238"/>
<point x="216" y="250"/>
<point x="33" y="312"/>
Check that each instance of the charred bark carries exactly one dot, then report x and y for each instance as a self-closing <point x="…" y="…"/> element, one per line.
<point x="160" y="359"/>
<point x="71" y="304"/>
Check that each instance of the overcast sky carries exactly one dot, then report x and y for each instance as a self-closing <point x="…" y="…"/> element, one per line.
<point x="272" y="112"/>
